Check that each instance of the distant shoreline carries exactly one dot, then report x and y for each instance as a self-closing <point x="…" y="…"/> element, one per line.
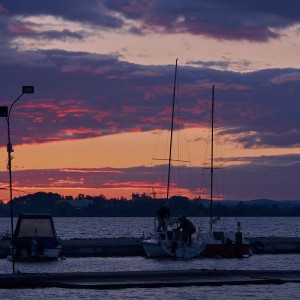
<point x="145" y="206"/>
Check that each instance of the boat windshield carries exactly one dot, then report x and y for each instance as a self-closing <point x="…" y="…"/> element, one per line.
<point x="35" y="227"/>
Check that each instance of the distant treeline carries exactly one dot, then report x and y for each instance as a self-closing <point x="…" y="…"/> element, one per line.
<point x="144" y="206"/>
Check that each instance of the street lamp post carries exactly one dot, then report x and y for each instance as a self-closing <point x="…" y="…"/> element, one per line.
<point x="5" y="112"/>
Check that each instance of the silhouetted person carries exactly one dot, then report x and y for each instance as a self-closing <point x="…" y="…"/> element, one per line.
<point x="161" y="215"/>
<point x="187" y="227"/>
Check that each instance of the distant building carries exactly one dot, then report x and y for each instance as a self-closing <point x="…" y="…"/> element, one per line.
<point x="78" y="203"/>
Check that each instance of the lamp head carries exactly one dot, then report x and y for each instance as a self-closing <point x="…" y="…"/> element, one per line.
<point x="3" y="111"/>
<point x="27" y="89"/>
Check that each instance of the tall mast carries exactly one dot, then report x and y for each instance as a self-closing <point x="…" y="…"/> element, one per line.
<point x="212" y="154"/>
<point x="172" y="126"/>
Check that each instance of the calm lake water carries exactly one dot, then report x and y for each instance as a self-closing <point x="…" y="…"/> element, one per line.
<point x="97" y="227"/>
<point x="68" y="228"/>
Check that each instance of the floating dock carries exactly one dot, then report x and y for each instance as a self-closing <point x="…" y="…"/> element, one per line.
<point x="122" y="247"/>
<point x="147" y="279"/>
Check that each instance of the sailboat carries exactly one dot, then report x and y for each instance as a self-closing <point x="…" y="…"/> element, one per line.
<point x="221" y="243"/>
<point x="171" y="243"/>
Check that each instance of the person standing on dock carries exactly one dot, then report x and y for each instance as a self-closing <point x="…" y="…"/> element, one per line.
<point x="162" y="214"/>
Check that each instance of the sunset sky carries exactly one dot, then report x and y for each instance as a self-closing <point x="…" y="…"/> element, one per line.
<point x="103" y="72"/>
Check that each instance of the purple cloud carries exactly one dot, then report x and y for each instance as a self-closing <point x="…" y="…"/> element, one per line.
<point x="94" y="13"/>
<point x="267" y="176"/>
<point x="225" y="64"/>
<point x="232" y="20"/>
<point x="80" y="95"/>
<point x="228" y="20"/>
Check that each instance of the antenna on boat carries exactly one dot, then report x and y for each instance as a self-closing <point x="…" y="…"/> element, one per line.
<point x="172" y="125"/>
<point x="212" y="153"/>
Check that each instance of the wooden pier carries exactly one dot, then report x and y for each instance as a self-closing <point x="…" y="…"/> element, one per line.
<point x="147" y="279"/>
<point x="122" y="247"/>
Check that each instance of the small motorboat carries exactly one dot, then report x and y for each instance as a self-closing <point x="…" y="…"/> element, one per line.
<point x="225" y="244"/>
<point x="171" y="243"/>
<point x="35" y="238"/>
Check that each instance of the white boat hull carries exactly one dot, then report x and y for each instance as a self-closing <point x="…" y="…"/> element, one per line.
<point x="186" y="251"/>
<point x="48" y="254"/>
<point x="156" y="248"/>
<point x="52" y="253"/>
